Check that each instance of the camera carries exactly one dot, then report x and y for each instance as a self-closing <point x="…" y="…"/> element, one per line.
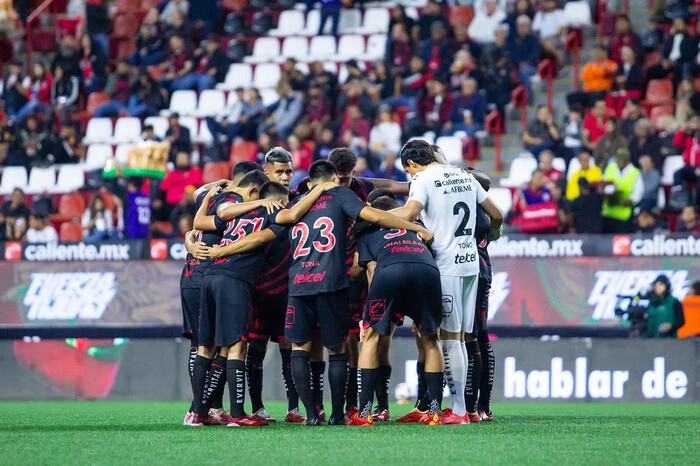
<point x="635" y="310"/>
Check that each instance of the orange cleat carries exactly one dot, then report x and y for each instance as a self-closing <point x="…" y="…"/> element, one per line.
<point x="356" y="420"/>
<point x="448" y="417"/>
<point x="413" y="416"/>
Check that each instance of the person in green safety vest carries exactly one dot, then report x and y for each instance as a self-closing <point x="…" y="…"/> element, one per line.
<point x="665" y="311"/>
<point x="621" y="197"/>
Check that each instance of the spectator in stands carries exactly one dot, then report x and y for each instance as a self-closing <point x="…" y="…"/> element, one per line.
<point x="177" y="66"/>
<point x="628" y="82"/>
<point x="185" y="208"/>
<point x="385" y="136"/>
<point x="390" y="168"/>
<point x="498" y="84"/>
<point x="320" y="77"/>
<point x="97" y="222"/>
<point x="434" y="107"/>
<point x="550" y="24"/>
<point x="355" y="92"/>
<point x="266" y="141"/>
<point x="609" y="143"/>
<point x="665" y="311"/>
<point x="289" y="109"/>
<point x="179" y="27"/>
<point x="93" y="63"/>
<point x="205" y="15"/>
<point x="588" y="171"/>
<point x="40" y="230"/>
<point x="406" y="89"/>
<point x="633" y="115"/>
<point x="624" y="37"/>
<point x="356" y="122"/>
<point x="652" y="181"/>
<point x="381" y="82"/>
<point x="462" y="41"/>
<point x="524" y="51"/>
<point x="66" y="147"/>
<point x="483" y="27"/>
<point x="469" y="111"/>
<point x="586" y="208"/>
<point x="436" y="51"/>
<point x="32" y="140"/>
<point x="687" y="102"/>
<point x="463" y="68"/>
<point x="536" y="192"/>
<point x="399" y="16"/>
<point x="147" y="97"/>
<point x="119" y="88"/>
<point x="594" y="127"/>
<point x="14" y="216"/>
<point x="552" y="174"/>
<point x="362" y="170"/>
<point x="325" y="144"/>
<point x="688" y="139"/>
<point x="317" y="111"/>
<point x="38" y="92"/>
<point x="679" y="50"/>
<point x="688" y="221"/>
<point x="179" y="138"/>
<point x="175" y="181"/>
<point x="691" y="312"/>
<point x="99" y="24"/>
<point x="625" y="192"/>
<point x="301" y="155"/>
<point x="138" y="210"/>
<point x="598" y="77"/>
<point x="67" y="57"/>
<point x="399" y="50"/>
<point x="166" y="15"/>
<point x="356" y="143"/>
<point x="644" y="142"/>
<point x="148" y="134"/>
<point x="494" y="51"/>
<point x="647" y="223"/>
<point x="522" y="8"/>
<point x="541" y="133"/>
<point x="572" y="129"/>
<point x="291" y="73"/>
<point x="149" y="42"/>
<point x="12" y="93"/>
<point x="431" y="13"/>
<point x="211" y="67"/>
<point x="64" y="94"/>
<point x="330" y="9"/>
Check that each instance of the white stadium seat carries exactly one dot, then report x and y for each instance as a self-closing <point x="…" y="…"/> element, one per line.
<point x="661" y="201"/>
<point x="294" y="47"/>
<point x="350" y="20"/>
<point x="267" y="75"/>
<point x="577" y="14"/>
<point x="265" y="49"/>
<point x="191" y="124"/>
<point x="269" y="96"/>
<point x="98" y="130"/>
<point x="97" y="155"/>
<point x="159" y="123"/>
<point x="203" y="136"/>
<point x="210" y="102"/>
<point x="70" y="178"/>
<point x="671" y="166"/>
<point x="13" y="177"/>
<point x="303" y="67"/>
<point x="183" y="102"/>
<point x="121" y="155"/>
<point x="330" y="66"/>
<point x="574" y="166"/>
<point x="313" y="21"/>
<point x="238" y="75"/>
<point x="452" y="147"/>
<point x="502" y="197"/>
<point x="343" y="72"/>
<point x="559" y="163"/>
<point x="376" y="47"/>
<point x="521" y="170"/>
<point x="291" y="22"/>
<point x="322" y="48"/>
<point x="41" y="180"/>
<point x="126" y="129"/>
<point x="375" y="20"/>
<point x="350" y="46"/>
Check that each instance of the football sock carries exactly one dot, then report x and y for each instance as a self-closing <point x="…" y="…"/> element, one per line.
<point x="190" y="371"/>
<point x="290" y="389"/>
<point x="338" y="378"/>
<point x="434" y="382"/>
<point x="455" y="373"/>
<point x="301" y="372"/>
<point x="216" y="382"/>
<point x="381" y="387"/>
<point x="422" y="387"/>
<point x="318" y="373"/>
<point x="254" y="373"/>
<point x="199" y="381"/>
<point x="471" y="390"/>
<point x="235" y="369"/>
<point x="351" y="390"/>
<point x="488" y="367"/>
<point x="368" y="381"/>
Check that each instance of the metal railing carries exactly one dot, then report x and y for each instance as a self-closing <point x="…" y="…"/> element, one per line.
<point x="28" y="29"/>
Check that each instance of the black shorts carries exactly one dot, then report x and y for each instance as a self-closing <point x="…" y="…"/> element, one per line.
<point x="267" y="319"/>
<point x="329" y="311"/>
<point x="481" y="316"/>
<point x="400" y="290"/>
<point x="225" y="305"/>
<point x="357" y="295"/>
<point x="190" y="299"/>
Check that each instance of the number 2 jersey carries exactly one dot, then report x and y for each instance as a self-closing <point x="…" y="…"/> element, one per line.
<point x="319" y="243"/>
<point x="450" y="196"/>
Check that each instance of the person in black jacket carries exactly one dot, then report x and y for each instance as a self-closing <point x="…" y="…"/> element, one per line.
<point x="586" y="209"/>
<point x="99" y="24"/>
<point x="679" y="50"/>
<point x="64" y="94"/>
<point x="645" y="142"/>
<point x="67" y="57"/>
<point x="93" y="63"/>
<point x="211" y="67"/>
<point x="12" y="93"/>
<point x="178" y="136"/>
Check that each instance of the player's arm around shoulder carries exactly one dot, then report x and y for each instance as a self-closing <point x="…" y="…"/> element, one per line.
<point x="230" y="210"/>
<point x="202" y="221"/>
<point x="198" y="249"/>
<point x="389" y="220"/>
<point x="495" y="212"/>
<point x="295" y="213"/>
<point x="247" y="243"/>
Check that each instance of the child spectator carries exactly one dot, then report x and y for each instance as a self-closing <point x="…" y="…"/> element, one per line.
<point x="97" y="222"/>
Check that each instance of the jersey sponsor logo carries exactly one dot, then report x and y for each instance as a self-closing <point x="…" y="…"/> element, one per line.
<point x="290" y="317"/>
<point x="77" y="252"/>
<point x="13" y="251"/>
<point x="309" y="277"/>
<point x="466" y="258"/>
<point x="621" y="245"/>
<point x="69" y="296"/>
<point x="376" y="309"/>
<point x="447" y="305"/>
<point x="159" y="249"/>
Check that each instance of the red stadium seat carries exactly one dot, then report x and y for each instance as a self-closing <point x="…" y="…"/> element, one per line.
<point x="659" y="92"/>
<point x="128" y="6"/>
<point x="125" y="26"/>
<point x="242" y="150"/>
<point x="216" y="171"/>
<point x="124" y="48"/>
<point x="164" y="228"/>
<point x="658" y="115"/>
<point x="71" y="231"/>
<point x="71" y="205"/>
<point x="461" y="14"/>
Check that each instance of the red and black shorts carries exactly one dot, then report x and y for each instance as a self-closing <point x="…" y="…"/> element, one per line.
<point x="267" y="319"/>
<point x="329" y="311"/>
<point x="225" y="306"/>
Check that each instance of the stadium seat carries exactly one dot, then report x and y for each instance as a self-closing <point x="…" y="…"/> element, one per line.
<point x="126" y="129"/>
<point x="303" y="67"/>
<point x="659" y="116"/>
<point x="322" y="48"/>
<point x="266" y="49"/>
<point x="97" y="155"/>
<point x="94" y="100"/>
<point x="230" y="100"/>
<point x="313" y="21"/>
<point x="291" y="22"/>
<point x="242" y="150"/>
<point x="121" y="154"/>
<point x="191" y="124"/>
<point x="661" y="201"/>
<point x="215" y="171"/>
<point x="13" y="177"/>
<point x="461" y="14"/>
<point x="269" y="96"/>
<point x="294" y="47"/>
<point x="98" y="130"/>
<point x="127" y="6"/>
<point x="376" y="47"/>
<point x="578" y="14"/>
<point x="70" y="178"/>
<point x="71" y="205"/>
<point x="238" y="75"/>
<point x="267" y="75"/>
<point x="159" y="123"/>
<point x="521" y="169"/>
<point x="330" y="66"/>
<point x="558" y="163"/>
<point x="350" y="46"/>
<point x="502" y="197"/>
<point x="211" y="102"/>
<point x="343" y="72"/>
<point x="71" y="232"/>
<point x="125" y="26"/>
<point x="659" y="92"/>
<point x="350" y="20"/>
<point x="203" y="136"/>
<point x="672" y="164"/>
<point x="375" y="20"/>
<point x="452" y="147"/>
<point x="184" y="102"/>
<point x="574" y="166"/>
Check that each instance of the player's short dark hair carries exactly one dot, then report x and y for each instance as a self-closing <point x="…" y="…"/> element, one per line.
<point x="254" y="178"/>
<point x="482" y="178"/>
<point x="273" y="189"/>
<point x="343" y="159"/>
<point x="384" y="203"/>
<point x="322" y="170"/>
<point x="243" y="168"/>
<point x="278" y="155"/>
<point x="439" y="153"/>
<point x="419" y="151"/>
<point x="377" y="193"/>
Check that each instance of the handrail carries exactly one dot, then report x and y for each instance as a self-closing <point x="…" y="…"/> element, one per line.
<point x="547" y="70"/>
<point x="28" y="30"/>
<point x="519" y="98"/>
<point x="494" y="126"/>
<point x="573" y="44"/>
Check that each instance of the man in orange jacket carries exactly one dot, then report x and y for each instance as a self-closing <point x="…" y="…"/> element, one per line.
<point x="691" y="312"/>
<point x="598" y="77"/>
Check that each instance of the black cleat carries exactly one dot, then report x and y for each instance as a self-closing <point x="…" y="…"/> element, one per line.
<point x="335" y="421"/>
<point x="311" y="422"/>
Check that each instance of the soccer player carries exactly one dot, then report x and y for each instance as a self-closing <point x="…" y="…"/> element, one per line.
<point x="318" y="283"/>
<point x="446" y="197"/>
<point x="404" y="280"/>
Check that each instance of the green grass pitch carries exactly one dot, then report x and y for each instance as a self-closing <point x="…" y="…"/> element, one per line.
<point x="151" y="433"/>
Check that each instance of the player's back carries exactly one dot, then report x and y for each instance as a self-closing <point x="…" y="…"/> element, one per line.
<point x="393" y="246"/>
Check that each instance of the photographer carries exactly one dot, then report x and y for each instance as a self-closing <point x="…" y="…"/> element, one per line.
<point x="665" y="311"/>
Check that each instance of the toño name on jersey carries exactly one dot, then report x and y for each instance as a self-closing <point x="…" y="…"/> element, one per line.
<point x="449" y="196"/>
<point x="397" y="246"/>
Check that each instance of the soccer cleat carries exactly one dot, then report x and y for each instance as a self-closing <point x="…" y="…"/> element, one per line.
<point x="197" y="421"/>
<point x="220" y="415"/>
<point x="448" y="417"/>
<point x="188" y="418"/>
<point x="361" y="421"/>
<point x="311" y="422"/>
<point x="413" y="416"/>
<point x="473" y="417"/>
<point x="245" y="421"/>
<point x="294" y="416"/>
<point x="262" y="414"/>
<point x="486" y="416"/>
<point x="381" y="415"/>
<point x="351" y="411"/>
<point x="332" y="421"/>
<point x="431" y="419"/>
<point x="321" y="413"/>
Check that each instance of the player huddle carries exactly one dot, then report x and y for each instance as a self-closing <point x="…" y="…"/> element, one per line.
<point x="334" y="262"/>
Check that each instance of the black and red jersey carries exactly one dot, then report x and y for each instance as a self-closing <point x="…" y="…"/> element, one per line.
<point x="274" y="277"/>
<point x="319" y="242"/>
<point x="392" y="246"/>
<point x="483" y="224"/>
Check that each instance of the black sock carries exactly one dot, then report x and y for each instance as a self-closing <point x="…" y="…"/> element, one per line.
<point x="292" y="395"/>
<point x="318" y="371"/>
<point x="351" y="388"/>
<point x="338" y="378"/>
<point x="488" y="366"/>
<point x="190" y="371"/>
<point x="368" y="381"/>
<point x="381" y="387"/>
<point x="422" y="387"/>
<point x="434" y="382"/>
<point x="301" y="372"/>
<point x="471" y="389"/>
<point x="199" y="382"/>
<point x="235" y="369"/>
<point x="216" y="382"/>
<point x="254" y="373"/>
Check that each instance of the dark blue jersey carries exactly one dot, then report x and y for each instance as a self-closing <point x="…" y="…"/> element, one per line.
<point x="391" y="246"/>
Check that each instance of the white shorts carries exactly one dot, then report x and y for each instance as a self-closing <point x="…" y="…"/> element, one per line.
<point x="458" y="303"/>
